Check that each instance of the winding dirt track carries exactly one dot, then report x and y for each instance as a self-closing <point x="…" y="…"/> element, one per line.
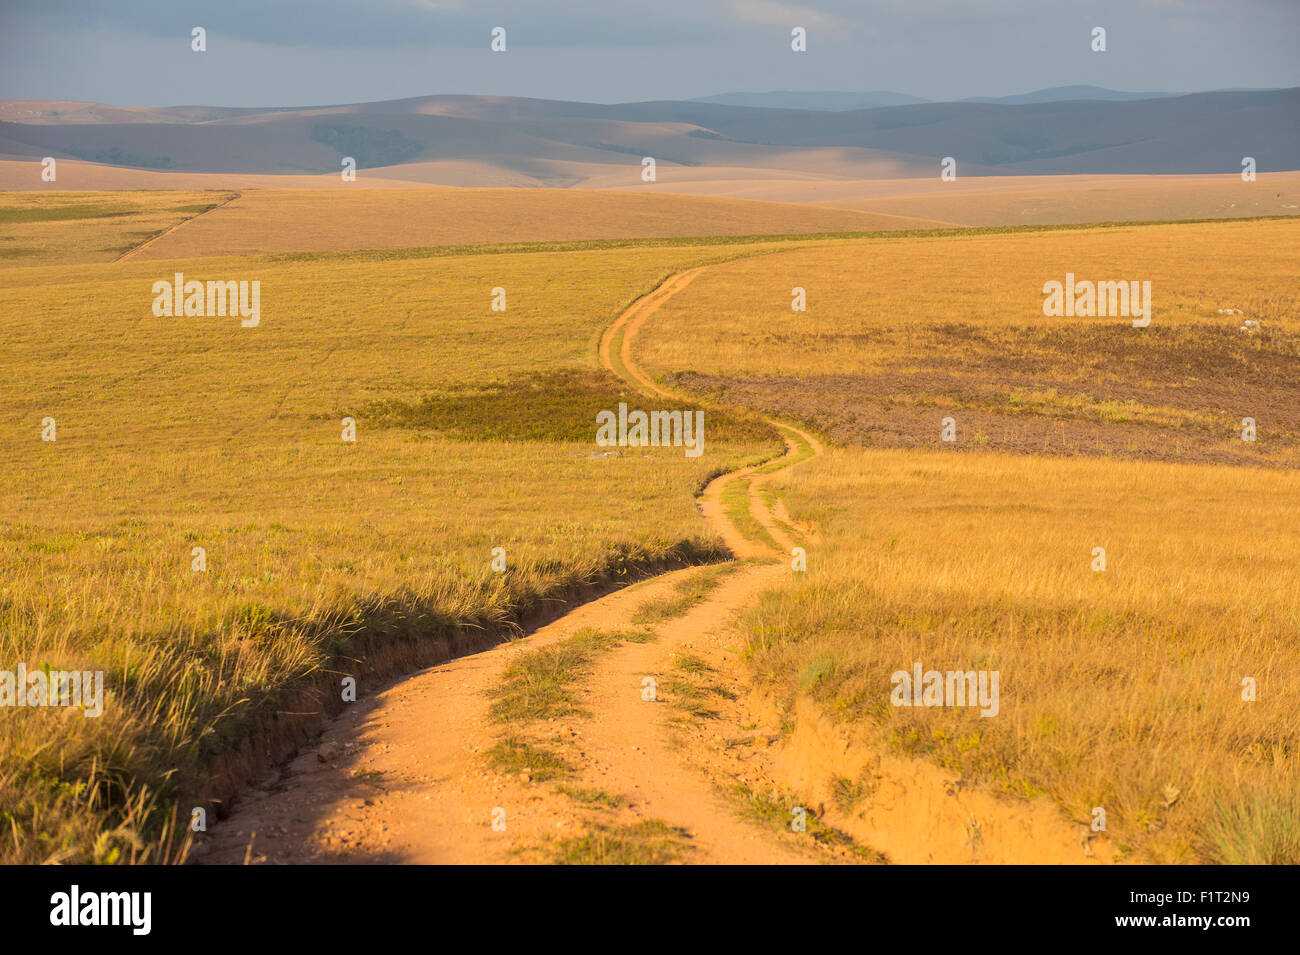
<point x="616" y="355"/>
<point x="403" y="777"/>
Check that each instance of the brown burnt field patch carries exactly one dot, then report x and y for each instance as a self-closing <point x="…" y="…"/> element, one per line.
<point x="1173" y="393"/>
<point x="900" y="334"/>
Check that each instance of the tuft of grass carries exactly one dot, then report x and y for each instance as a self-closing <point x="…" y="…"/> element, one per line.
<point x="514" y="755"/>
<point x="686" y="594"/>
<point x="540" y="684"/>
<point x="778" y="813"/>
<point x="690" y="698"/>
<point x="694" y="693"/>
<point x="692" y="664"/>
<point x="735" y="504"/>
<point x="592" y="797"/>
<point x="848" y="793"/>
<point x="649" y="842"/>
<point x="1260" y="830"/>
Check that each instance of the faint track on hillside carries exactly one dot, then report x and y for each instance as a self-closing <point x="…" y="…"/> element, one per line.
<point x="132" y="253"/>
<point x="616" y="356"/>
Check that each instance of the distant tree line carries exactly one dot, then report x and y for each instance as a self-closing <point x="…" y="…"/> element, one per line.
<point x="120" y="157"/>
<point x="369" y="147"/>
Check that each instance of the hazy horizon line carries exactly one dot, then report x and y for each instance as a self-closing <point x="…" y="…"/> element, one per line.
<point x="691" y="99"/>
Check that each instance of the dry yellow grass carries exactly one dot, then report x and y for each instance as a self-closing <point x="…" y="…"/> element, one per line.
<point x="1021" y="200"/>
<point x="72" y="228"/>
<point x="306" y="220"/>
<point x="900" y="333"/>
<point x="1042" y="202"/>
<point x="865" y="286"/>
<point x="74" y="174"/>
<point x="176" y="433"/>
<point x="1119" y="689"/>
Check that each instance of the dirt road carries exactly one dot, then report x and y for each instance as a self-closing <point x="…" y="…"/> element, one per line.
<point x="658" y="753"/>
<point x="403" y="776"/>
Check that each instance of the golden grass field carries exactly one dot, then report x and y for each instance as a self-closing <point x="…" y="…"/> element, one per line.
<point x="74" y="228"/>
<point x="43" y="228"/>
<point x="979" y="200"/>
<point x="1024" y="201"/>
<point x="176" y="434"/>
<point x="899" y="334"/>
<point x="292" y="221"/>
<point x="474" y="431"/>
<point x="1120" y="689"/>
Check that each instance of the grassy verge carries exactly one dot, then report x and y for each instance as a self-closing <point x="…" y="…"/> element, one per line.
<point x="1163" y="689"/>
<point x="228" y="557"/>
<point x="782" y="813"/>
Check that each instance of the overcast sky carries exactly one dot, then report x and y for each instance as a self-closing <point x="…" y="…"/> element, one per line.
<point x="309" y="52"/>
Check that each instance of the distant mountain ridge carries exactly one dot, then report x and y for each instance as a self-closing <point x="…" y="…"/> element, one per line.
<point x="494" y="140"/>
<point x="1062" y="94"/>
<point x="829" y="101"/>
<point x="834" y="101"/>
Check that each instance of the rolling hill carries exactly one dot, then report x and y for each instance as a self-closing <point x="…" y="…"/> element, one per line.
<point x="554" y="143"/>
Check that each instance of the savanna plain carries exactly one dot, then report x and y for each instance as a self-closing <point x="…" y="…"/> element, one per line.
<point x="202" y="532"/>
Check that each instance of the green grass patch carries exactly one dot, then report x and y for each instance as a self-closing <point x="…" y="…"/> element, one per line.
<point x="802" y="451"/>
<point x="592" y="797"/>
<point x="62" y="213"/>
<point x="735" y="504"/>
<point x="559" y="405"/>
